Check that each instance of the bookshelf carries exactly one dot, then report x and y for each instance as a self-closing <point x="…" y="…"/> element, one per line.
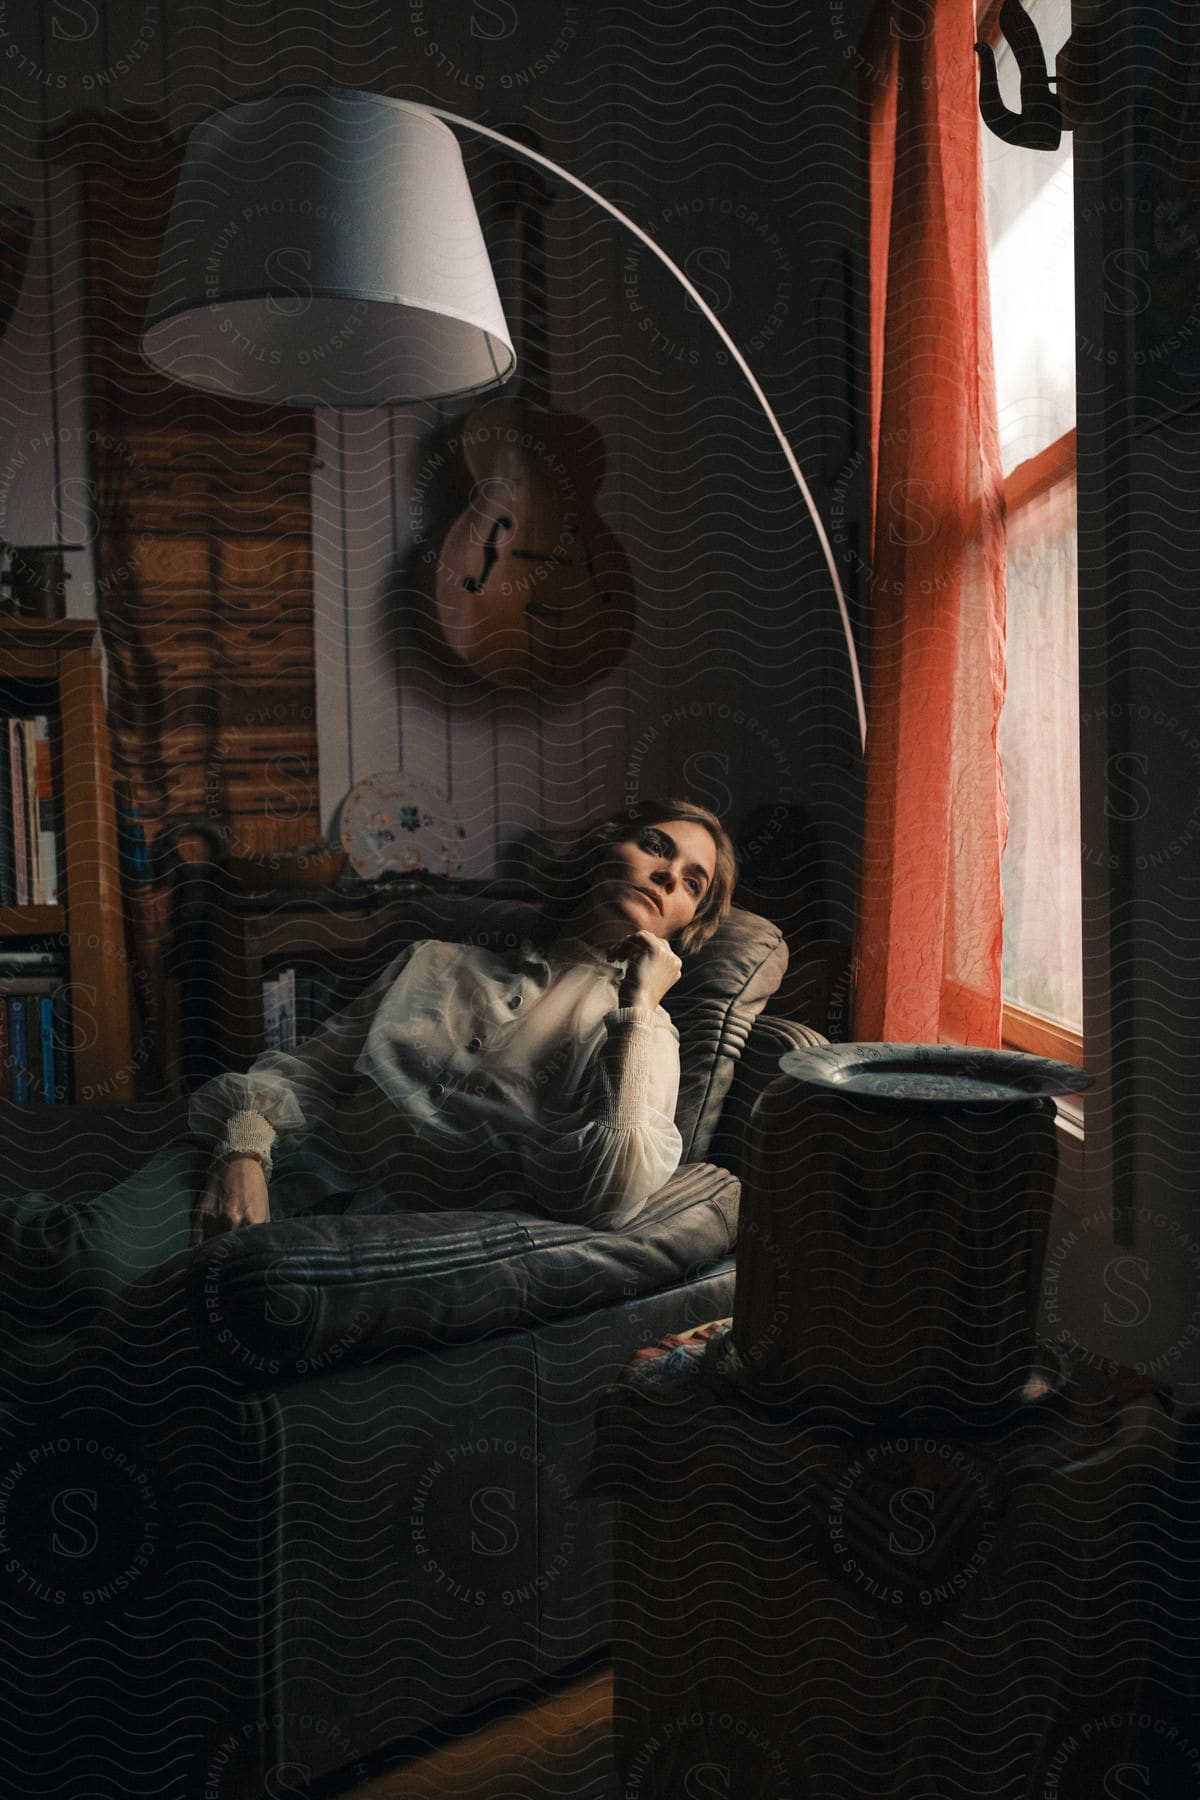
<point x="61" y="658"/>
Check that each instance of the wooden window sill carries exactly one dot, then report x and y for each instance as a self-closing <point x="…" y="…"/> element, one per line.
<point x="1023" y="1030"/>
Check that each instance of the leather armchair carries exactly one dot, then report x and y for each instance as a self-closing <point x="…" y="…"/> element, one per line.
<point x="367" y="1437"/>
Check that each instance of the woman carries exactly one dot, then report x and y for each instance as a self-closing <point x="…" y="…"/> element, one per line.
<point x="462" y="1077"/>
<point x="470" y="1077"/>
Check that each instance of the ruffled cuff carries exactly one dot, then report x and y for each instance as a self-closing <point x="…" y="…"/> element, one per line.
<point x="267" y="1090"/>
<point x="248" y="1134"/>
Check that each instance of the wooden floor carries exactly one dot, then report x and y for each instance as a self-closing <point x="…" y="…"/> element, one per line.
<point x="557" y="1749"/>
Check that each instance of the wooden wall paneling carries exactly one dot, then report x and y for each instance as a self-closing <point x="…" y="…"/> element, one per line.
<point x="367" y="562"/>
<point x="412" y="644"/>
<point x="443" y="700"/>
<point x="234" y="501"/>
<point x="172" y="569"/>
<point x="565" y="787"/>
<point x="603" y="758"/>
<point x="447" y="725"/>
<point x="409" y="430"/>
<point x="472" y="747"/>
<point x="520" y="765"/>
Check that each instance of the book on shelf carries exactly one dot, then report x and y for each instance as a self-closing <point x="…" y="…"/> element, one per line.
<point x="313" y="999"/>
<point x="48" y="1050"/>
<point x="287" y="1010"/>
<point x="34" y="1023"/>
<point x="16" y="786"/>
<point x="8" y="873"/>
<point x="47" y="814"/>
<point x="18" y="1050"/>
<point x="32" y="836"/>
<point x="293" y="1006"/>
<point x="34" y="1061"/>
<point x="270" y="1006"/>
<point x="30" y="860"/>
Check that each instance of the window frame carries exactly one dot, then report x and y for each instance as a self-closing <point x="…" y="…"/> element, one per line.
<point x="1021" y="1029"/>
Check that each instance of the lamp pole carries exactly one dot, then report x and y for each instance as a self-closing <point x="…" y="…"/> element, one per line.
<point x="545" y="162"/>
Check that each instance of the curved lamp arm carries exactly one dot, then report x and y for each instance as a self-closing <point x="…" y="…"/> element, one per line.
<point x="546" y="162"/>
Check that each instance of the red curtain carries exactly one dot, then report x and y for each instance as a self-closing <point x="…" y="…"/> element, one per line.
<point x="929" y="947"/>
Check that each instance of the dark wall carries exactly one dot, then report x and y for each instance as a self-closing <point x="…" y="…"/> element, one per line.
<point x="1138" y="314"/>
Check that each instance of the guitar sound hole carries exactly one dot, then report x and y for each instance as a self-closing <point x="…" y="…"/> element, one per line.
<point x="474" y="584"/>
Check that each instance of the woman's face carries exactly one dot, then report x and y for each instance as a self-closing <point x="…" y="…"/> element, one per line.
<point x="653" y="881"/>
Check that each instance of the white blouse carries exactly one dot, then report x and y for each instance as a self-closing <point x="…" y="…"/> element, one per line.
<point x="481" y="1078"/>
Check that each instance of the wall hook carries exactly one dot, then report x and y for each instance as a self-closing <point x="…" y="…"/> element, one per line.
<point x="1039" y="124"/>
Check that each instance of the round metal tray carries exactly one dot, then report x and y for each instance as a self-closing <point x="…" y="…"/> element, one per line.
<point x="938" y="1075"/>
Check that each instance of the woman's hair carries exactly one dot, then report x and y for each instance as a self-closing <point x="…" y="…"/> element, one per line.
<point x="570" y="874"/>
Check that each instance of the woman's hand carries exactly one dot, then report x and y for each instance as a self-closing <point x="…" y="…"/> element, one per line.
<point x="653" y="969"/>
<point x="236" y="1195"/>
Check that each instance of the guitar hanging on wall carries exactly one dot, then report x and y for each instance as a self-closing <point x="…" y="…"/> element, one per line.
<point x="532" y="589"/>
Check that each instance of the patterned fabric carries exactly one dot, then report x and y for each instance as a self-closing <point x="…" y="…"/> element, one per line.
<point x="675" y="1363"/>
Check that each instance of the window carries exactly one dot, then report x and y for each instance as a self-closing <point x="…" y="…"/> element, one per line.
<point x="1030" y="200"/>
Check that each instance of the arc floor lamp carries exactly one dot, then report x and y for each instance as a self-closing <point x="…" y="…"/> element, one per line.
<point x="323" y="249"/>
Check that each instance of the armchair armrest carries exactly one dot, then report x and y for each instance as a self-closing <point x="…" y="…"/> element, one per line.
<point x="769" y="1039"/>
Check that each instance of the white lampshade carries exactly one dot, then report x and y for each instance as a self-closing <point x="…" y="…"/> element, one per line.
<point x="323" y="249"/>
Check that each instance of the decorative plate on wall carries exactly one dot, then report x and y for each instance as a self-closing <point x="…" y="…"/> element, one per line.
<point x="393" y="823"/>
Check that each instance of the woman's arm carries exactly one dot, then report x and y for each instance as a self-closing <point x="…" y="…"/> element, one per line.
<point x="600" y="1163"/>
<point x="289" y="1092"/>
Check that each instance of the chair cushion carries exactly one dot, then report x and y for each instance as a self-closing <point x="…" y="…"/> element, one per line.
<point x="305" y="1294"/>
<point x="721" y="992"/>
